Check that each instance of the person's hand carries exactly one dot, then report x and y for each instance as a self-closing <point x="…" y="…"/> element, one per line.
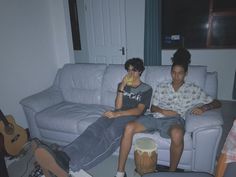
<point x="124" y="80"/>
<point x="169" y="113"/>
<point x="123" y="83"/>
<point x="110" y="114"/>
<point x="197" y="111"/>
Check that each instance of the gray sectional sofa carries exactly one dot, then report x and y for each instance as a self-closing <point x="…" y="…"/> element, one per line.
<point x="82" y="92"/>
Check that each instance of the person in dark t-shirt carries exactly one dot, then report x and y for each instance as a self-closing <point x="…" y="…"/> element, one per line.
<point x="102" y="137"/>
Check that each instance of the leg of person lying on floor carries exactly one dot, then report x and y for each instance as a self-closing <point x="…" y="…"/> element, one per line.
<point x="49" y="164"/>
<point x="46" y="160"/>
<point x="54" y="162"/>
<point x="102" y="146"/>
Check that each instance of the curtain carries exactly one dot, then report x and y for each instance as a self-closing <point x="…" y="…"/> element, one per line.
<point x="152" y="33"/>
<point x="234" y="87"/>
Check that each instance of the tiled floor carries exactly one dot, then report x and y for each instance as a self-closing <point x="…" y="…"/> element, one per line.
<point x="108" y="168"/>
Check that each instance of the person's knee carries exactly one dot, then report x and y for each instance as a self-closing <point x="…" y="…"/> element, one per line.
<point x="130" y="128"/>
<point x="177" y="135"/>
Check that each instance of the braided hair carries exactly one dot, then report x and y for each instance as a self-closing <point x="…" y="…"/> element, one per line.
<point x="181" y="57"/>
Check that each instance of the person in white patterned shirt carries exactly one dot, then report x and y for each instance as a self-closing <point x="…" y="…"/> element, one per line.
<point x="170" y="102"/>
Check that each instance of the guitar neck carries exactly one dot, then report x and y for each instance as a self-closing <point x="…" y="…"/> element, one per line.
<point x="3" y="118"/>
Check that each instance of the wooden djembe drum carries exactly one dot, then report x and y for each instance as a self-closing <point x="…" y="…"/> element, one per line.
<point x="145" y="155"/>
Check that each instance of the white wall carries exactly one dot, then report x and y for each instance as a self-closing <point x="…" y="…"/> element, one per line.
<point x="61" y="31"/>
<point x="135" y="12"/>
<point x="34" y="43"/>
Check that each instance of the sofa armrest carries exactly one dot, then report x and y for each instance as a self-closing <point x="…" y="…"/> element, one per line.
<point x="42" y="100"/>
<point x="211" y="118"/>
<point x="206" y="130"/>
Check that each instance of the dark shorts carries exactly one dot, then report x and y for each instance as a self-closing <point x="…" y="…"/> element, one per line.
<point x="162" y="125"/>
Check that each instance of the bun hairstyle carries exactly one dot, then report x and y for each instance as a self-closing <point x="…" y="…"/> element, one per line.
<point x="181" y="57"/>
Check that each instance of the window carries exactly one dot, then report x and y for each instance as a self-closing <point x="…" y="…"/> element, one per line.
<point x="198" y="24"/>
<point x="222" y="24"/>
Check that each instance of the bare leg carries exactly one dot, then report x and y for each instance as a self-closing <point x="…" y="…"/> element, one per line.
<point x="221" y="166"/>
<point x="34" y="146"/>
<point x="48" y="163"/>
<point x="46" y="172"/>
<point x="126" y="142"/>
<point x="176" y="147"/>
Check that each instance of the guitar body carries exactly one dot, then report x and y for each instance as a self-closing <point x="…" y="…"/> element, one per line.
<point x="14" y="136"/>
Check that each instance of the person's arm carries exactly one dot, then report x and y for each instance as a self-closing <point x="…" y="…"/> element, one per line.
<point x="212" y="105"/>
<point x="119" y="96"/>
<point x="136" y="111"/>
<point x="165" y="112"/>
<point x="130" y="112"/>
<point x="120" y="92"/>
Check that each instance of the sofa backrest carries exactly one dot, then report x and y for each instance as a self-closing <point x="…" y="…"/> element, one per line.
<point x="111" y="79"/>
<point x="82" y="83"/>
<point x="154" y="74"/>
<point x="97" y="83"/>
<point x="211" y="85"/>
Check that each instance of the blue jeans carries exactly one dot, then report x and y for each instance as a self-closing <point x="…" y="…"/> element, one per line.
<point x="96" y="143"/>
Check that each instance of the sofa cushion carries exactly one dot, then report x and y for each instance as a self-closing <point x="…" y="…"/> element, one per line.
<point x="81" y="83"/>
<point x="69" y="117"/>
<point x="112" y="76"/>
<point x="211" y="85"/>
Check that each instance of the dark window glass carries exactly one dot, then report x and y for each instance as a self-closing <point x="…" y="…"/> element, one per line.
<point x="198" y="24"/>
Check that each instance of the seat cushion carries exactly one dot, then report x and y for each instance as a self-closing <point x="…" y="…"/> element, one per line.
<point x="69" y="117"/>
<point x="163" y="148"/>
<point x="163" y="143"/>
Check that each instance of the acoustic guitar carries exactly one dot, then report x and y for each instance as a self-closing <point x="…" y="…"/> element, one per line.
<point x="14" y="136"/>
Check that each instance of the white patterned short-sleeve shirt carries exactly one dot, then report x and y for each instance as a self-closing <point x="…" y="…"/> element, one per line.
<point x="186" y="97"/>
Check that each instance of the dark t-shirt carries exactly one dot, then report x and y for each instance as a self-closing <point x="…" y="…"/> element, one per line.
<point x="135" y="95"/>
